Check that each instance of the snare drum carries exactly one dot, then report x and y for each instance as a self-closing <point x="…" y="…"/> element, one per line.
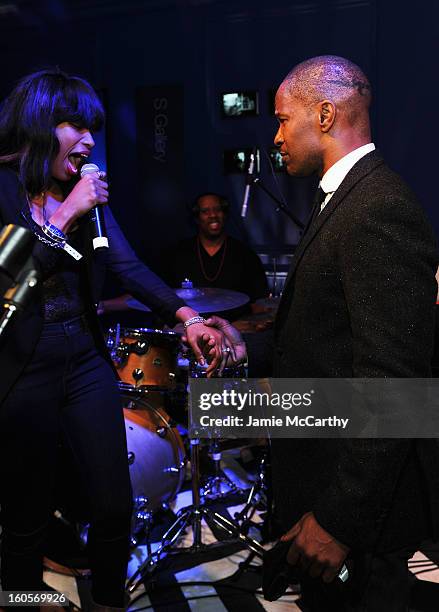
<point x="144" y="358"/>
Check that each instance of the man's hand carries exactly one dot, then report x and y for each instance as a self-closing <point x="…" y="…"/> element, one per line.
<point x="233" y="341"/>
<point x="314" y="549"/>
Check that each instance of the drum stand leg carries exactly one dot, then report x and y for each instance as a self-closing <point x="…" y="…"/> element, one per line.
<point x="191" y="516"/>
<point x="258" y="496"/>
<point x="213" y="488"/>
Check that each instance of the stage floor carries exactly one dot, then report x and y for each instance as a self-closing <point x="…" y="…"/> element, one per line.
<point x="212" y="581"/>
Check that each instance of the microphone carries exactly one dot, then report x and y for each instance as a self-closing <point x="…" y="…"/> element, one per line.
<point x="96" y="216"/>
<point x="249" y="183"/>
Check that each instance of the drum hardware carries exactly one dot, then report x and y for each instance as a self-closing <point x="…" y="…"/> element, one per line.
<point x="214" y="486"/>
<point x="175" y="470"/>
<point x="140" y="347"/>
<point x="137" y="374"/>
<point x="191" y="516"/>
<point x="199" y="371"/>
<point x="113" y="342"/>
<point x="258" y="499"/>
<point x="141" y="522"/>
<point x="141" y="391"/>
<point x="136" y="347"/>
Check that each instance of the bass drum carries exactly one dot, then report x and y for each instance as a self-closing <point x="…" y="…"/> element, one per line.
<point x="155" y="453"/>
<point x="156" y="458"/>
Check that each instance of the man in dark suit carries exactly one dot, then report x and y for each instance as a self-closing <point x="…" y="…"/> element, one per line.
<point x="358" y="302"/>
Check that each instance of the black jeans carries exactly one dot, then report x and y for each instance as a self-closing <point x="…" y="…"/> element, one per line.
<point x="67" y="387"/>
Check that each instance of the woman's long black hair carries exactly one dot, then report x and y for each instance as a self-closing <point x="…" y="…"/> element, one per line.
<point x="29" y="116"/>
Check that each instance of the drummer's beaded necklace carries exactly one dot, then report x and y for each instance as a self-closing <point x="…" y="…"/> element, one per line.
<point x="213" y="278"/>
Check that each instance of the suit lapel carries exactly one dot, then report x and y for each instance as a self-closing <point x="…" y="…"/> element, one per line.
<point x="362" y="168"/>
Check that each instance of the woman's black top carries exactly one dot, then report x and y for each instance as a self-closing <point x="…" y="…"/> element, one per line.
<point x="68" y="287"/>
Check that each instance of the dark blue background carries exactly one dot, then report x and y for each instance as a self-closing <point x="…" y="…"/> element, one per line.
<point x="199" y="48"/>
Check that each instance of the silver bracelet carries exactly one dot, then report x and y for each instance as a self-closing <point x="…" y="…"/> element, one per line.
<point x="48" y="238"/>
<point x="53" y="232"/>
<point x="57" y="244"/>
<point x="53" y="237"/>
<point x="194" y="320"/>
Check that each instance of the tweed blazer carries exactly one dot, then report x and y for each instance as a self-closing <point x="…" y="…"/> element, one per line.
<point x="359" y="301"/>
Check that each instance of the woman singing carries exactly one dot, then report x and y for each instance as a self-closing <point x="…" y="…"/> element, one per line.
<point x="55" y="374"/>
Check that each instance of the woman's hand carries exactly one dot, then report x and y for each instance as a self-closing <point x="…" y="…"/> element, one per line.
<point x="206" y="343"/>
<point x="87" y="193"/>
<point x="237" y="352"/>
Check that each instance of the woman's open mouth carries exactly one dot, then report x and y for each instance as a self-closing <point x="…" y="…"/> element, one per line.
<point x="76" y="159"/>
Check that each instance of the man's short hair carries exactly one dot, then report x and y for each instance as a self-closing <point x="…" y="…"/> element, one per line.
<point x="224" y="203"/>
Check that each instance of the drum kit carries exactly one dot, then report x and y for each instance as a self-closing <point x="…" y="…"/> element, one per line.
<point x="153" y="380"/>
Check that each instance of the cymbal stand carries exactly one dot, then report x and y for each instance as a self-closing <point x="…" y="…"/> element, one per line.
<point x="191" y="516"/>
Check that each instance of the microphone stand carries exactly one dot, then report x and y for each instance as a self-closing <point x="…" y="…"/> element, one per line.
<point x="280" y="205"/>
<point x="17" y="275"/>
<point x="9" y="311"/>
<point x="18" y="296"/>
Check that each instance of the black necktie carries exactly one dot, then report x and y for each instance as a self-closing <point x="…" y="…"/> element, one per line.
<point x="319" y="198"/>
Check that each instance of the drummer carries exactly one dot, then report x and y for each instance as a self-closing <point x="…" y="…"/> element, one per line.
<point x="212" y="258"/>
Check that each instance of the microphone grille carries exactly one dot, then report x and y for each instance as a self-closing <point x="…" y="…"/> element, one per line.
<point x="89" y="169"/>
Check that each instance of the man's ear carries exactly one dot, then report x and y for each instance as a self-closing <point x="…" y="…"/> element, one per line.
<point x="327" y="113"/>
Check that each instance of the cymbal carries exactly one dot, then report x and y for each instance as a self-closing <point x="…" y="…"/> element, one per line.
<point x="212" y="299"/>
<point x="203" y="299"/>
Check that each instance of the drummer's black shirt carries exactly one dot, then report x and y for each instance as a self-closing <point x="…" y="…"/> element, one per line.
<point x="241" y="270"/>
